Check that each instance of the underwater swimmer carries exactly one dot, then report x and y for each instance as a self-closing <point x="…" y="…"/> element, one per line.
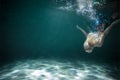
<point x="95" y="39"/>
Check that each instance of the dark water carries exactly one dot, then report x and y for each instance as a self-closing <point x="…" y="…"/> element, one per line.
<point x="35" y="29"/>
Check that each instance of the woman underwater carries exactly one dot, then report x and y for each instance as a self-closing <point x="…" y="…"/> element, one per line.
<point x="96" y="39"/>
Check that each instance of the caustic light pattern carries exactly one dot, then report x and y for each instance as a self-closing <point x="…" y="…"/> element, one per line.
<point x="53" y="70"/>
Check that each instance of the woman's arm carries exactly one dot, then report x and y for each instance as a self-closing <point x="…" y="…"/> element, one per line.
<point x="82" y="30"/>
<point x="107" y="30"/>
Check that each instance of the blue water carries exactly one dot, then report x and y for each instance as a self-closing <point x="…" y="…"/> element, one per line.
<point x="37" y="36"/>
